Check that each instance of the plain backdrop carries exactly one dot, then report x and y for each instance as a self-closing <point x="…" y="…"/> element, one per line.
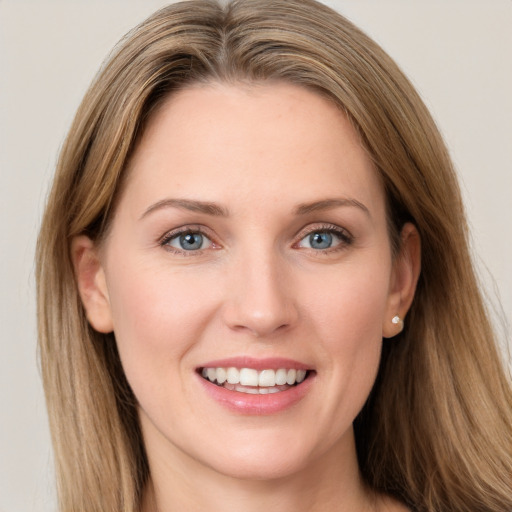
<point x="458" y="53"/>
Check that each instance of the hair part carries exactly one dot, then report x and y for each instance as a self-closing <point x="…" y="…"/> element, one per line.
<point x="436" y="430"/>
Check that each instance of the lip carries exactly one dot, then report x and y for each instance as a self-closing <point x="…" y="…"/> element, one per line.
<point x="248" y="404"/>
<point x="272" y="363"/>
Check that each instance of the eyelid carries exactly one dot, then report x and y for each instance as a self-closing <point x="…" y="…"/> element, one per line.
<point x="164" y="240"/>
<point x="343" y="234"/>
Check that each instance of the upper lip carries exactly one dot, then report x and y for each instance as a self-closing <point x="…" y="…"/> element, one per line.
<point x="270" y="363"/>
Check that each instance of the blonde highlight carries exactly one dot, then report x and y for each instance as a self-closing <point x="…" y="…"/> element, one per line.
<point x="436" y="431"/>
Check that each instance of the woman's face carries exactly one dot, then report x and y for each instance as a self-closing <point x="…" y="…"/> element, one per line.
<point x="250" y="245"/>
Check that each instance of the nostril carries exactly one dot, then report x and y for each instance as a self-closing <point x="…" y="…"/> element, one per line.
<point x="261" y="327"/>
<point x="259" y="303"/>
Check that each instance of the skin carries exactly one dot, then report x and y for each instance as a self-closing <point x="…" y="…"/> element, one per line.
<point x="256" y="288"/>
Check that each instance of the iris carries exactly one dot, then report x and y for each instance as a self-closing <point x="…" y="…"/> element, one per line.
<point x="191" y="241"/>
<point x="320" y="240"/>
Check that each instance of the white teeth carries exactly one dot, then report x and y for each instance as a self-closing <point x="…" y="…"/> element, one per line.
<point x="233" y="376"/>
<point x="301" y="375"/>
<point x="269" y="379"/>
<point x="212" y="374"/>
<point x="248" y="377"/>
<point x="290" y="377"/>
<point x="255" y="391"/>
<point x="281" y="376"/>
<point x="243" y="389"/>
<point x="222" y="375"/>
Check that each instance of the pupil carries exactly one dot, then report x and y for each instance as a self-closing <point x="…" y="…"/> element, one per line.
<point x="191" y="241"/>
<point x="320" y="240"/>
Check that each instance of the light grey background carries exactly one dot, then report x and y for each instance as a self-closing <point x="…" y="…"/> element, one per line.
<point x="457" y="52"/>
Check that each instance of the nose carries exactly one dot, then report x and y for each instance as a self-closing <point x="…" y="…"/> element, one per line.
<point x="260" y="297"/>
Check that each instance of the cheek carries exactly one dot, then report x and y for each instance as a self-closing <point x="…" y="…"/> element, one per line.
<point x="347" y="318"/>
<point x="158" y="317"/>
<point x="351" y="306"/>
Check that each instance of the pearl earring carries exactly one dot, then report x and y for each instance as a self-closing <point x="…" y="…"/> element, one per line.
<point x="396" y="320"/>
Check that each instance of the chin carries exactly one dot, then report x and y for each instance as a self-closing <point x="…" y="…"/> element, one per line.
<point x="273" y="456"/>
<point x="260" y="468"/>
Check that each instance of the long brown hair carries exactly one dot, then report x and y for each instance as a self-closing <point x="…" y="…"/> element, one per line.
<point x="436" y="431"/>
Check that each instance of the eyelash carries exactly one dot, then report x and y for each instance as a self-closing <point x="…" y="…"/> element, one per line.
<point x="346" y="239"/>
<point x="186" y="230"/>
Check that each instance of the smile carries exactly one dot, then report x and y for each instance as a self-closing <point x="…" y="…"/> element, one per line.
<point x="252" y="381"/>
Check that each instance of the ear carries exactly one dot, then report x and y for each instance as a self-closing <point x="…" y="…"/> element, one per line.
<point x="91" y="283"/>
<point x="404" y="278"/>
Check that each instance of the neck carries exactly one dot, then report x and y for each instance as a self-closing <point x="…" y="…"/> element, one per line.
<point x="332" y="482"/>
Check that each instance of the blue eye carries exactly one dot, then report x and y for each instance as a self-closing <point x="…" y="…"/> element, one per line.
<point x="325" y="239"/>
<point x="189" y="241"/>
<point x="320" y="240"/>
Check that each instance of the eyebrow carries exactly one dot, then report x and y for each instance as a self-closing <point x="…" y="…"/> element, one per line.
<point x="329" y="204"/>
<point x="216" y="210"/>
<point x="192" y="205"/>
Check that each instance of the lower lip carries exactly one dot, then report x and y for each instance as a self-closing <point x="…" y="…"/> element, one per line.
<point x="245" y="403"/>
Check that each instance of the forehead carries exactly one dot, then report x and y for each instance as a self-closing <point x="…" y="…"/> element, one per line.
<point x="262" y="140"/>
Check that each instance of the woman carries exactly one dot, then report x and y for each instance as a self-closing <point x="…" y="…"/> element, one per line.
<point x="239" y="217"/>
